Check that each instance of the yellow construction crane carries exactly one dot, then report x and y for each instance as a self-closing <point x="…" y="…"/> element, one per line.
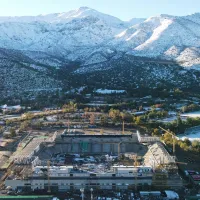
<point x="181" y="163"/>
<point x="173" y="138"/>
<point x="48" y="175"/>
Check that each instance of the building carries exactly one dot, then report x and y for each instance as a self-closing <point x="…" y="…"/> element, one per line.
<point x="165" y="167"/>
<point x="63" y="178"/>
<point x="165" y="195"/>
<point x="96" y="143"/>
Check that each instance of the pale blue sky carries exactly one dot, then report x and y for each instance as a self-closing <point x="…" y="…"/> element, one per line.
<point x="123" y="9"/>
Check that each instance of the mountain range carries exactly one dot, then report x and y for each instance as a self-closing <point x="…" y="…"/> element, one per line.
<point x="92" y="39"/>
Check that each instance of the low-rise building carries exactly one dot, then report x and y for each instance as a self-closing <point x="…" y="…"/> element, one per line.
<point x="63" y="178"/>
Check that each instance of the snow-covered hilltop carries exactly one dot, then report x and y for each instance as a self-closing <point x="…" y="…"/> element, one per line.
<point x="89" y="36"/>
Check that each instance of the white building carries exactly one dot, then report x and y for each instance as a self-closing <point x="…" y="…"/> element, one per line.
<point x="67" y="177"/>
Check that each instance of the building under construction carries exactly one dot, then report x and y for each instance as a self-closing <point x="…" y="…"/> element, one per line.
<point x="104" y="175"/>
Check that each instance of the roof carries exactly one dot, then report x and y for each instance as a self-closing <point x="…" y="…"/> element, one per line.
<point x="196" y="177"/>
<point x="171" y="194"/>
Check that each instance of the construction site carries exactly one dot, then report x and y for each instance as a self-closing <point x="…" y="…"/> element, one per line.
<point x="70" y="160"/>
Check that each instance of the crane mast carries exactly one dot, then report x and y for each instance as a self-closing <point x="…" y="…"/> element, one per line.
<point x="173" y="138"/>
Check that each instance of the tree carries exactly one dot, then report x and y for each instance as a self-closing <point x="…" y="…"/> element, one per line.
<point x="38" y="124"/>
<point x="1" y="129"/>
<point x="103" y="119"/>
<point x="180" y="127"/>
<point x="92" y="118"/>
<point x="86" y="109"/>
<point x="28" y="116"/>
<point x="122" y="115"/>
<point x="196" y="146"/>
<point x="187" y="142"/>
<point x="184" y="146"/>
<point x="71" y="107"/>
<point x="195" y="143"/>
<point x="114" y="114"/>
<point x="155" y="132"/>
<point x="24" y="125"/>
<point x="12" y="132"/>
<point x="167" y="138"/>
<point x="140" y="108"/>
<point x="138" y="120"/>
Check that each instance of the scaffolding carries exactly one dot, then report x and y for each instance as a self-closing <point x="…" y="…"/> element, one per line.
<point x="157" y="155"/>
<point x="27" y="154"/>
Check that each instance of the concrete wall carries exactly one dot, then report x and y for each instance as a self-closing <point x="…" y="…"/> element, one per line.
<point x="96" y="144"/>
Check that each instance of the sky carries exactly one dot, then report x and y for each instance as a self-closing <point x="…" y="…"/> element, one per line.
<point x="123" y="9"/>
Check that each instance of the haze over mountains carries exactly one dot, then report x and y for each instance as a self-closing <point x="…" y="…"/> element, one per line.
<point x="94" y="40"/>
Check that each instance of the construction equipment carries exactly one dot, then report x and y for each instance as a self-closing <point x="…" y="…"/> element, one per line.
<point x="173" y="137"/>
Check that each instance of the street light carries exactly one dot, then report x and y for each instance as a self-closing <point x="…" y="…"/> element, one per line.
<point x="91" y="190"/>
<point x="82" y="193"/>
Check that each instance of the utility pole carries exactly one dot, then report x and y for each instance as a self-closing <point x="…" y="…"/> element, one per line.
<point x="48" y="175"/>
<point x="91" y="190"/>
<point x="119" y="149"/>
<point x="136" y="173"/>
<point x="68" y="124"/>
<point x="82" y="193"/>
<point x="123" y="127"/>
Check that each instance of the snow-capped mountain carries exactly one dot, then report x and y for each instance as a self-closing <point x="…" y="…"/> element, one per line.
<point x="167" y="37"/>
<point x="88" y="36"/>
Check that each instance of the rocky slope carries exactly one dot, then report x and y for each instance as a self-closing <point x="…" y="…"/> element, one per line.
<point x="20" y="74"/>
